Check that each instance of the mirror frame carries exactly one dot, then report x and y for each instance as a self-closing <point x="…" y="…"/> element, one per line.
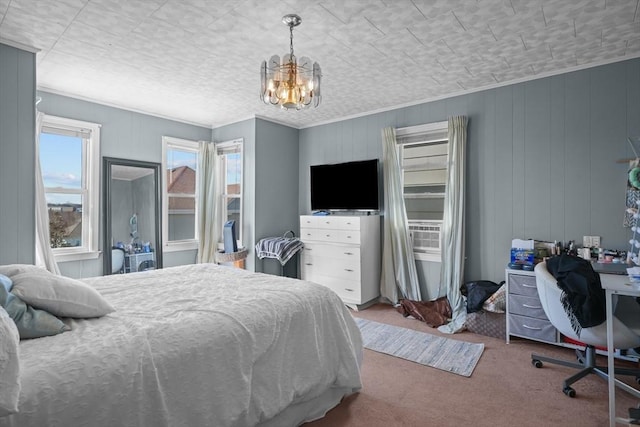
<point x="107" y="163"/>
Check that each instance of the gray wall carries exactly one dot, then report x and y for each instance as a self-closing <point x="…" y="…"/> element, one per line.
<point x="276" y="188"/>
<point x="127" y="135"/>
<point x="143" y="197"/>
<point x="17" y="145"/>
<point x="541" y="158"/>
<point x="270" y="184"/>
<point x="121" y="210"/>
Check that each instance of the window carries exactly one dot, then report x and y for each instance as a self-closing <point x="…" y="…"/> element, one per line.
<point x="180" y="165"/>
<point x="69" y="153"/>
<point x="230" y="174"/>
<point x="423" y="152"/>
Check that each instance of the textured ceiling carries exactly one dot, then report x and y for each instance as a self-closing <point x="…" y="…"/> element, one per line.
<point x="198" y="61"/>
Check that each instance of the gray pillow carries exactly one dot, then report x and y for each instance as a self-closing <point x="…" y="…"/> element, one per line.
<point x="31" y="322"/>
<point x="11" y="270"/>
<point x="59" y="295"/>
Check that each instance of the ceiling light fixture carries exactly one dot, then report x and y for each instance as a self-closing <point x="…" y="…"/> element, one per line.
<point x="290" y="84"/>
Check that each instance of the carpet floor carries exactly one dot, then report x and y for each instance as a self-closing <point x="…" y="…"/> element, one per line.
<point x="504" y="390"/>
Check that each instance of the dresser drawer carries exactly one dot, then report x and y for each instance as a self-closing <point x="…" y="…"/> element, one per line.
<point x="523" y="285"/>
<point x="339" y="222"/>
<point x="309" y="221"/>
<point x="320" y="234"/>
<point x="347" y="290"/>
<point x="526" y="306"/>
<point x="332" y="267"/>
<point x="349" y="236"/>
<point x="331" y="251"/>
<point x="309" y="234"/>
<point x="531" y="327"/>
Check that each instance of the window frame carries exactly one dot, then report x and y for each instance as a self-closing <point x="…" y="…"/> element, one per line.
<point x="229" y="146"/>
<point x="431" y="133"/>
<point x="90" y="187"/>
<point x="169" y="142"/>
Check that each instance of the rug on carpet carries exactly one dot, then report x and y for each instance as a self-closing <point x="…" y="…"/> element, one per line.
<point x="447" y="354"/>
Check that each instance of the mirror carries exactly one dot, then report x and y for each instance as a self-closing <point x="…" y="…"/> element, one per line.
<point x="131" y="200"/>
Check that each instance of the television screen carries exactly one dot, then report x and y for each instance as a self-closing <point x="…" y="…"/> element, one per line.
<point x="345" y="186"/>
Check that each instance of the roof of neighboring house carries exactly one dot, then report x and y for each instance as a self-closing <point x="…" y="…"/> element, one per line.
<point x="181" y="180"/>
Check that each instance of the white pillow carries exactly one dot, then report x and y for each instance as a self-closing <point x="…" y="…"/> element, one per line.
<point x="9" y="365"/>
<point x="10" y="270"/>
<point x="59" y="295"/>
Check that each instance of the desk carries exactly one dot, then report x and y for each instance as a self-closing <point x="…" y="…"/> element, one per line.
<point x="619" y="285"/>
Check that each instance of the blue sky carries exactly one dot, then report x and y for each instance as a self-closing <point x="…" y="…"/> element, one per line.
<point x="61" y="160"/>
<point x="177" y="158"/>
<point x="61" y="164"/>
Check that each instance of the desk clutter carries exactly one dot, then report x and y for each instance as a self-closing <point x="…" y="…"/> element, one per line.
<point x="525" y="254"/>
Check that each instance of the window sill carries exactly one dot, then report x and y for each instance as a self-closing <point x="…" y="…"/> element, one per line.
<point x="76" y="256"/>
<point x="423" y="256"/>
<point x="180" y="246"/>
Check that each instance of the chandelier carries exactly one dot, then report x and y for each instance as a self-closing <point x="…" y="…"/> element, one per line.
<point x="291" y="83"/>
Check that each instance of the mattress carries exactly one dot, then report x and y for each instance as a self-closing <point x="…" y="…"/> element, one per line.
<point x="195" y="345"/>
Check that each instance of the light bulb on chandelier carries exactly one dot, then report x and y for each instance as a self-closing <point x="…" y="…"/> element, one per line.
<point x="291" y="83"/>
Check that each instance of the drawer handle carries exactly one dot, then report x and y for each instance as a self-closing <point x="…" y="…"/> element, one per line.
<point x="348" y="253"/>
<point x="524" y="285"/>
<point x="328" y="235"/>
<point x="531" y="306"/>
<point x="308" y="263"/>
<point x="348" y="237"/>
<point x="349" y="270"/>
<point x="531" y="327"/>
<point x="348" y="290"/>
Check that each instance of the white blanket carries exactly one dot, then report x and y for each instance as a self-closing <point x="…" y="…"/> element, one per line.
<point x="196" y="345"/>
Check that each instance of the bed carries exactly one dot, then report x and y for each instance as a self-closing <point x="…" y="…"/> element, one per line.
<point x="195" y="345"/>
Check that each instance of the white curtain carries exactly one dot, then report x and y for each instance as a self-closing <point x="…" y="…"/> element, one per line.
<point x="399" y="278"/>
<point x="452" y="234"/>
<point x="209" y="224"/>
<point x="44" y="253"/>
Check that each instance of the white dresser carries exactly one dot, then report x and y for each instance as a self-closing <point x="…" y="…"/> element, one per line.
<point x="343" y="253"/>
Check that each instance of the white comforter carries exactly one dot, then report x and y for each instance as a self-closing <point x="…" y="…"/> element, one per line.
<point x="197" y="345"/>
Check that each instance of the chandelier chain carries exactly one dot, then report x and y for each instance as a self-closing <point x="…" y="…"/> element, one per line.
<point x="291" y="39"/>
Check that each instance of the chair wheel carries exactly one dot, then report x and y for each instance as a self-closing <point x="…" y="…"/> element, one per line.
<point x="569" y="391"/>
<point x="536" y="363"/>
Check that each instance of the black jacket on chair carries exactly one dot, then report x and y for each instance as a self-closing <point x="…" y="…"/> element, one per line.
<point x="583" y="297"/>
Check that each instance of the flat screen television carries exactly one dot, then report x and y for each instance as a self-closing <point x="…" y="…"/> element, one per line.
<point x="345" y="186"/>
